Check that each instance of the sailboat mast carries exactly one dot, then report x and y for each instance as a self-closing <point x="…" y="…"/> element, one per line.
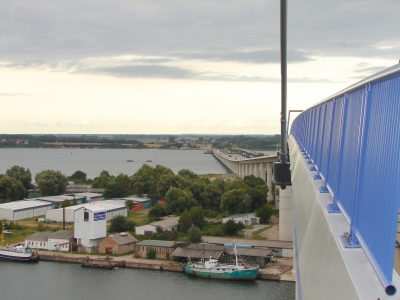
<point x="234" y="244"/>
<point x="2" y="236"/>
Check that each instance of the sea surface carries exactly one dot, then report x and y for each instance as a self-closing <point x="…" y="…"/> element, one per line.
<point x="115" y="161"/>
<point x="64" y="281"/>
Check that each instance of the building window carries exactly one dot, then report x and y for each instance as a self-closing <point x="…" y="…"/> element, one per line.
<point x="85" y="216"/>
<point x="40" y="244"/>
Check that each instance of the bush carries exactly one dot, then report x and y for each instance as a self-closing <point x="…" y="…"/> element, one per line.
<point x="232" y="228"/>
<point x="151" y="254"/>
<point x="40" y="227"/>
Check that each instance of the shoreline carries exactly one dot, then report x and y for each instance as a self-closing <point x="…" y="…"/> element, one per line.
<point x="276" y="272"/>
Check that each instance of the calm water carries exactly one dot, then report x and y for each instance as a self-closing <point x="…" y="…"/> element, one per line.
<point x="52" y="280"/>
<point x="93" y="161"/>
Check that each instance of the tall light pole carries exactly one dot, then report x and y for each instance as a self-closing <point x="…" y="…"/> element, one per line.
<point x="282" y="175"/>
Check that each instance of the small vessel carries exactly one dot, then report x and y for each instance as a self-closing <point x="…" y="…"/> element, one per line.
<point x="130" y="160"/>
<point x="102" y="264"/>
<point x="213" y="269"/>
<point x="149" y="160"/>
<point x="19" y="253"/>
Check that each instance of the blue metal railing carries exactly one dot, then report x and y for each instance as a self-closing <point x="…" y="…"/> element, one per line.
<point x="353" y="140"/>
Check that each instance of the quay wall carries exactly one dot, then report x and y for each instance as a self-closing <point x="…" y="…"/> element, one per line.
<point x="128" y="264"/>
<point x="264" y="274"/>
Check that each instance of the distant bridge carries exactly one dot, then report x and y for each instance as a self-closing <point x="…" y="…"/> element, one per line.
<point x="249" y="153"/>
<point x="259" y="166"/>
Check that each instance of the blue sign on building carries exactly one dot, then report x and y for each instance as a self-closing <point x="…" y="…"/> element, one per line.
<point x="99" y="216"/>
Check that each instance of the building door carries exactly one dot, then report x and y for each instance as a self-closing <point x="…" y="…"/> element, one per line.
<point x="108" y="250"/>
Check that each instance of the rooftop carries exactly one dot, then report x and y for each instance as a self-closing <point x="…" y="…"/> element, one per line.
<point x="62" y="234"/>
<point x="157" y="243"/>
<point x="39" y="236"/>
<point x="167" y="222"/>
<point x="123" y="238"/>
<point x="253" y="243"/>
<point x="23" y="204"/>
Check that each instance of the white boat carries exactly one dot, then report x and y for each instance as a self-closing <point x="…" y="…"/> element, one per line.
<point x="19" y="253"/>
<point x="212" y="269"/>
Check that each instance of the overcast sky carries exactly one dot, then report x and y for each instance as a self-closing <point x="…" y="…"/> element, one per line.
<point x="181" y="66"/>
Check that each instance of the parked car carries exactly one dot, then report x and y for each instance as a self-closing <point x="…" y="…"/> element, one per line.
<point x="8" y="232"/>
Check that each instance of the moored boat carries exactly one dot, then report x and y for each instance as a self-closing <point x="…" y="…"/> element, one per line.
<point x="19" y="253"/>
<point x="213" y="269"/>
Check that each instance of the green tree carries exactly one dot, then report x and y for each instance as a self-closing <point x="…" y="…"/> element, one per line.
<point x="264" y="213"/>
<point x="51" y="182"/>
<point x="22" y="175"/>
<point x="232" y="228"/>
<point x="184" y="221"/>
<point x="78" y="175"/>
<point x="117" y="187"/>
<point x="130" y="204"/>
<point x="194" y="234"/>
<point x="102" y="180"/>
<point x="65" y="203"/>
<point x="157" y="211"/>
<point x="121" y="224"/>
<point x="165" y="183"/>
<point x="11" y="189"/>
<point x="151" y="254"/>
<point x="258" y="198"/>
<point x="197" y="216"/>
<point x="230" y="200"/>
<point x="177" y="200"/>
<point x="253" y="181"/>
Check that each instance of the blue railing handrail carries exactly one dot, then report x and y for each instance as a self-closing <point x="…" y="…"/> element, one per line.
<point x="388" y="72"/>
<point x="352" y="138"/>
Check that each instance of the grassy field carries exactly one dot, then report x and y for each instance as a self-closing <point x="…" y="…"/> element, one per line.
<point x="139" y="217"/>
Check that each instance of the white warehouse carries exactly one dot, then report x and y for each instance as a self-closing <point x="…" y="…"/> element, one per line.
<point x="18" y="210"/>
<point x="112" y="208"/>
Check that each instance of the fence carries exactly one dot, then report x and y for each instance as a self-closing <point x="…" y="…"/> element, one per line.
<point x="352" y="139"/>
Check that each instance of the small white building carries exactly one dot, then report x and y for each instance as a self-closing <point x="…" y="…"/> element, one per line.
<point x="247" y="219"/>
<point x="90" y="226"/>
<point x="168" y="224"/>
<point x="38" y="240"/>
<point x="61" y="240"/>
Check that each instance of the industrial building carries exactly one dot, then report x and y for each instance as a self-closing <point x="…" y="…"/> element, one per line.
<point x="18" y="210"/>
<point x="140" y="202"/>
<point x="168" y="224"/>
<point x="279" y="248"/>
<point x="118" y="243"/>
<point x="90" y="226"/>
<point x="163" y="249"/>
<point x="112" y="207"/>
<point x="247" y="219"/>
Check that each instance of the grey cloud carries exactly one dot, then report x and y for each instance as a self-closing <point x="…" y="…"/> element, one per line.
<point x="160" y="71"/>
<point x="148" y="71"/>
<point x="56" y="32"/>
<point x="257" y="57"/>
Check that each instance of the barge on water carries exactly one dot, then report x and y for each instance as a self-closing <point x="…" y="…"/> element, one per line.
<point x="102" y="263"/>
